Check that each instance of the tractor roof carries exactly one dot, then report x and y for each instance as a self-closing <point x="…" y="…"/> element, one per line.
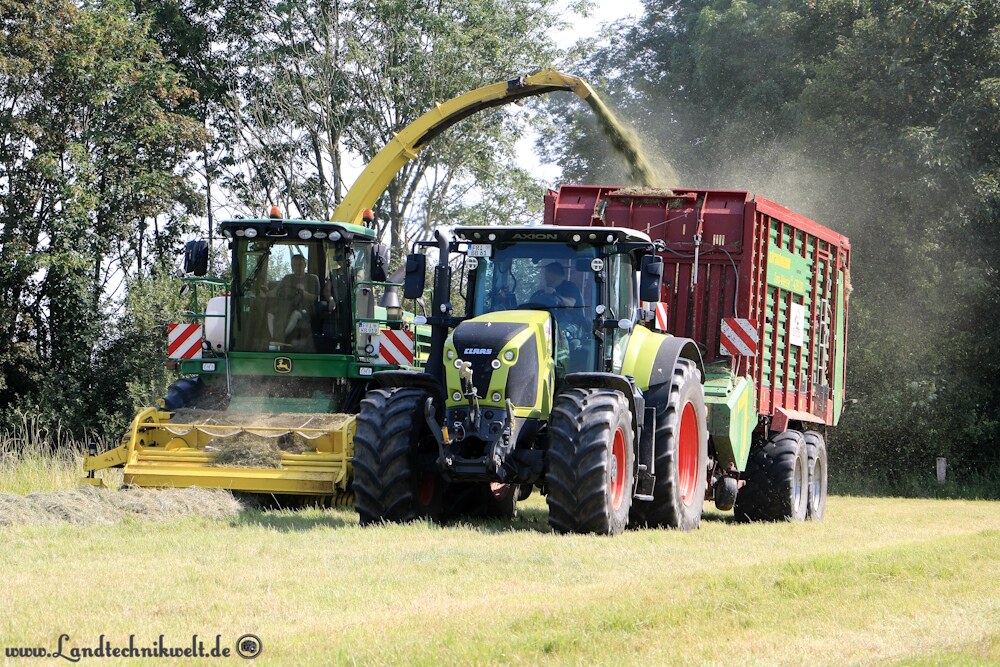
<point x="550" y="233"/>
<point x="347" y="229"/>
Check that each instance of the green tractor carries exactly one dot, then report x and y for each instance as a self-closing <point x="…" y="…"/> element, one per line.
<point x="549" y="380"/>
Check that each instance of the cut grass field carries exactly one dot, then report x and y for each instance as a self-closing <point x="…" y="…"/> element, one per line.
<point x="883" y="581"/>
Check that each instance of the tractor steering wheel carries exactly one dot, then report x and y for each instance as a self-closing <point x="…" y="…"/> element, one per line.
<point x="543" y="299"/>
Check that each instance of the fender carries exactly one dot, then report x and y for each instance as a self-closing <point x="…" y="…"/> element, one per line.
<point x="623" y="383"/>
<point x="419" y="379"/>
<point x="650" y="357"/>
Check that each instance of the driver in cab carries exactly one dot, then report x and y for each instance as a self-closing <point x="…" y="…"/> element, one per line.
<point x="555" y="287"/>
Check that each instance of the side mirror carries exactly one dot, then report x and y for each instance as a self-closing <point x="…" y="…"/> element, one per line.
<point x="380" y="262"/>
<point x="416" y="276"/>
<point x="650" y="277"/>
<point x="196" y="257"/>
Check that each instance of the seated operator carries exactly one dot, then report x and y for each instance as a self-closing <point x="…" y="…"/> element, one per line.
<point x="296" y="294"/>
<point x="555" y="289"/>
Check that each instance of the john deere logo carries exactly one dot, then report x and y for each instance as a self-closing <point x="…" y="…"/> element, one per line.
<point x="282" y="365"/>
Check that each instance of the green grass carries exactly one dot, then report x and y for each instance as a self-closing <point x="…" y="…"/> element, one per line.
<point x="881" y="581"/>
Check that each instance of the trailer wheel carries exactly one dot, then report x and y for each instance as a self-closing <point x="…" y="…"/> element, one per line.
<point x="591" y="462"/>
<point x="681" y="455"/>
<point x="816" y="447"/>
<point x="387" y="446"/>
<point x="777" y="481"/>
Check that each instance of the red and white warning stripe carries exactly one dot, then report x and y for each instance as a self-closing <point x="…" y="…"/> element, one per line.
<point x="661" y="316"/>
<point x="739" y="337"/>
<point x="394" y="347"/>
<point x="184" y="341"/>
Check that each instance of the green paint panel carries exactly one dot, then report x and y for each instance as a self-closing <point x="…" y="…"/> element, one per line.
<point x="787" y="270"/>
<point x="838" y="359"/>
<point x="732" y="417"/>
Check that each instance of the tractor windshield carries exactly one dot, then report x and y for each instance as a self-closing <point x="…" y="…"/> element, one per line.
<point x="556" y="277"/>
<point x="294" y="296"/>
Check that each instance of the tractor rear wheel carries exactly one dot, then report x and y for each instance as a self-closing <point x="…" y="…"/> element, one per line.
<point x="816" y="448"/>
<point x="681" y="464"/>
<point x="591" y="462"/>
<point x="388" y="482"/>
<point x="777" y="479"/>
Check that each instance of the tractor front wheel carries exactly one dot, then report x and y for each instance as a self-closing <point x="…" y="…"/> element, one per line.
<point x="591" y="462"/>
<point x="389" y="483"/>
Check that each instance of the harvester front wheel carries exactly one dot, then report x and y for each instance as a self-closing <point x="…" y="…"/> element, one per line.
<point x="591" y="462"/>
<point x="388" y="482"/>
<point x="777" y="479"/>
<point x="816" y="447"/>
<point x="681" y="455"/>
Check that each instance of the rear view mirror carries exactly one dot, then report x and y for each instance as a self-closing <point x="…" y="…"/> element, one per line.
<point x="380" y="262"/>
<point x="196" y="257"/>
<point x="650" y="277"/>
<point x="416" y="275"/>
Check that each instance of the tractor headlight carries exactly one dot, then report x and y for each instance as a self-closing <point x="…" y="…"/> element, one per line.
<point x="496" y="397"/>
<point x="451" y="354"/>
<point x="335" y="236"/>
<point x="495" y="364"/>
<point x="305" y="234"/>
<point x="457" y="396"/>
<point x="509" y="355"/>
<point x="251" y="232"/>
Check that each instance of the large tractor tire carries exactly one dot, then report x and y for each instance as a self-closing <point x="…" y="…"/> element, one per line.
<point x="816" y="448"/>
<point x="777" y="480"/>
<point x="388" y="485"/>
<point x="591" y="462"/>
<point x="681" y="455"/>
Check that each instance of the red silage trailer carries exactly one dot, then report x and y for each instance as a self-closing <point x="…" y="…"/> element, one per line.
<point x="763" y="290"/>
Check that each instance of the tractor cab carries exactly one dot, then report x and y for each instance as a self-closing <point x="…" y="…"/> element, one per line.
<point x="307" y="299"/>
<point x="293" y="292"/>
<point x="584" y="279"/>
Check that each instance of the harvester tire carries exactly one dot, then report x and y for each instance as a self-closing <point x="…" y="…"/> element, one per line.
<point x="777" y="477"/>
<point x="387" y="485"/>
<point x="681" y="465"/>
<point x="591" y="462"/>
<point x="816" y="447"/>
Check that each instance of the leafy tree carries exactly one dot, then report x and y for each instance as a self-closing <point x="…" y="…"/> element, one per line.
<point x="93" y="180"/>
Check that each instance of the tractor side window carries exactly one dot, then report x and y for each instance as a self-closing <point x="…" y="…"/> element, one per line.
<point x="620" y="304"/>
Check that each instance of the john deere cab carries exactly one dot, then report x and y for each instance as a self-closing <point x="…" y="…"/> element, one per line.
<point x="550" y="379"/>
<point x="274" y="363"/>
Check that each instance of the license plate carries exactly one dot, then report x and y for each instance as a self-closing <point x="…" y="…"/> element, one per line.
<point x="369" y="328"/>
<point x="480" y="250"/>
